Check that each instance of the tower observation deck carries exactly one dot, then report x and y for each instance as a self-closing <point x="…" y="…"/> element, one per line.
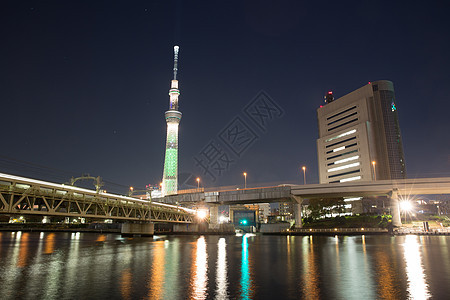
<point x="173" y="118"/>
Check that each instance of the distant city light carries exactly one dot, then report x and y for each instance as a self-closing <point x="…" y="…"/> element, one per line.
<point x="223" y="219"/>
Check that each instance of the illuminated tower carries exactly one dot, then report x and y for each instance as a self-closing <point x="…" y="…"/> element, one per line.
<point x="173" y="118"/>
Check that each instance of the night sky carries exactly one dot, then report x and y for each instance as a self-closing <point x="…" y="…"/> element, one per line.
<point x="84" y="84"/>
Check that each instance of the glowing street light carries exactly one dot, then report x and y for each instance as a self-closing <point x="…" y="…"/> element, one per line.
<point x="198" y="183"/>
<point x="374" y="171"/>
<point x="201" y="214"/>
<point x="304" y="174"/>
<point x="245" y="180"/>
<point x="406" y="206"/>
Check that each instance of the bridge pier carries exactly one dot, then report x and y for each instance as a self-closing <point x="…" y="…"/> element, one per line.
<point x="395" y="209"/>
<point x="298" y="211"/>
<point x="213" y="214"/>
<point x="132" y="229"/>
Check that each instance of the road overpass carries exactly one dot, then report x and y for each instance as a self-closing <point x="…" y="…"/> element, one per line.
<point x="394" y="189"/>
<point x="403" y="187"/>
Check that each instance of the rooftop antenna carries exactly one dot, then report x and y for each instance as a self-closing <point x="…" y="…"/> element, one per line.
<point x="175" y="61"/>
<point x="329" y="97"/>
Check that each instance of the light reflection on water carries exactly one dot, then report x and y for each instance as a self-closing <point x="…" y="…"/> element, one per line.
<point x="89" y="266"/>
<point x="246" y="280"/>
<point x="156" y="282"/>
<point x="310" y="272"/>
<point x="49" y="243"/>
<point x="221" y="276"/>
<point x="200" y="267"/>
<point x="417" y="283"/>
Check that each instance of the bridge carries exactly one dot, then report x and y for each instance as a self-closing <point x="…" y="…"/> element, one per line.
<point x="395" y="190"/>
<point x="25" y="196"/>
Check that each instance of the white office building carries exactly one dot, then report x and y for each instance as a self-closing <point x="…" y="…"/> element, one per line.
<point x="359" y="136"/>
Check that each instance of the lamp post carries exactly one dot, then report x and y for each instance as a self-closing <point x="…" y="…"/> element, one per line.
<point x="198" y="183"/>
<point x="406" y="206"/>
<point x="374" y="171"/>
<point x="130" y="193"/>
<point x="304" y="174"/>
<point x="245" y="180"/>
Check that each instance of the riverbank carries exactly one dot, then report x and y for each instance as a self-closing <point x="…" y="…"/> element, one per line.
<point x="36" y="229"/>
<point x="295" y="232"/>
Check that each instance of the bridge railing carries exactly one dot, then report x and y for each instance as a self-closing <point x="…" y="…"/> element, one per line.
<point x="228" y="188"/>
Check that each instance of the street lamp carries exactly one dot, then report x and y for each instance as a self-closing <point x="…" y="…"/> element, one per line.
<point x="406" y="206"/>
<point x="202" y="214"/>
<point x="374" y="171"/>
<point x="304" y="174"/>
<point x="131" y="191"/>
<point x="198" y="183"/>
<point x="245" y="180"/>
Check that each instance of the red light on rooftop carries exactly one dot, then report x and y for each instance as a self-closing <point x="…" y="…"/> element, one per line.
<point x="330" y="93"/>
<point x="370" y="82"/>
<point x="321" y="106"/>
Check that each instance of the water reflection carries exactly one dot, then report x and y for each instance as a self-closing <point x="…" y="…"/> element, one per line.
<point x="310" y="288"/>
<point x="246" y="281"/>
<point x="385" y="275"/>
<point x="221" y="276"/>
<point x="125" y="283"/>
<point x="357" y="274"/>
<point x="101" y="238"/>
<point x="73" y="262"/>
<point x="417" y="286"/>
<point x="155" y="285"/>
<point x="23" y="249"/>
<point x="200" y="267"/>
<point x="259" y="267"/>
<point x="172" y="269"/>
<point x="49" y="243"/>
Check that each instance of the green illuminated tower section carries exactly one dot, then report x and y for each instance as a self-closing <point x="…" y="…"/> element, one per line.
<point x="173" y="118"/>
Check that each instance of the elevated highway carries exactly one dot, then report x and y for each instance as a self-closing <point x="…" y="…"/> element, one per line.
<point x="403" y="187"/>
<point x="394" y="189"/>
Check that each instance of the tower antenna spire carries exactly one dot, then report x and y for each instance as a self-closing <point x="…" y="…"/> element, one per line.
<point x="175" y="61"/>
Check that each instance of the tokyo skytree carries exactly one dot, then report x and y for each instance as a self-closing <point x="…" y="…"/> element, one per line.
<point x="173" y="118"/>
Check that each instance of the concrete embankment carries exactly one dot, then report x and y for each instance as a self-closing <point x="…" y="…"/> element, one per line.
<point x="37" y="229"/>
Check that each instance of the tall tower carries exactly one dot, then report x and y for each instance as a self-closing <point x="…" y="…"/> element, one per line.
<point x="173" y="118"/>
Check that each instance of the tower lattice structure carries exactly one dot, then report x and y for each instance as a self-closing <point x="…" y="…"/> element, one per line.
<point x="173" y="118"/>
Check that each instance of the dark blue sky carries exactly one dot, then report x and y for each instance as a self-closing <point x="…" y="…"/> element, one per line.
<point x="84" y="84"/>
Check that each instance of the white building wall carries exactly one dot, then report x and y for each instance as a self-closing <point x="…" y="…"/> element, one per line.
<point x="344" y="144"/>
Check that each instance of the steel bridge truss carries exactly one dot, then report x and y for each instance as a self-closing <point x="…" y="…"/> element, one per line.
<point x="25" y="198"/>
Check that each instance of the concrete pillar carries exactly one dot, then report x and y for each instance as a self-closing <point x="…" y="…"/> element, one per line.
<point x="395" y="209"/>
<point x="298" y="211"/>
<point x="213" y="214"/>
<point x="131" y="229"/>
<point x="231" y="214"/>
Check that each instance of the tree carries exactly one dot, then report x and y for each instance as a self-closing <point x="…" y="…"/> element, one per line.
<point x="324" y="207"/>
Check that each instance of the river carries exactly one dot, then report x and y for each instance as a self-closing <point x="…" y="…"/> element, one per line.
<point x="107" y="266"/>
